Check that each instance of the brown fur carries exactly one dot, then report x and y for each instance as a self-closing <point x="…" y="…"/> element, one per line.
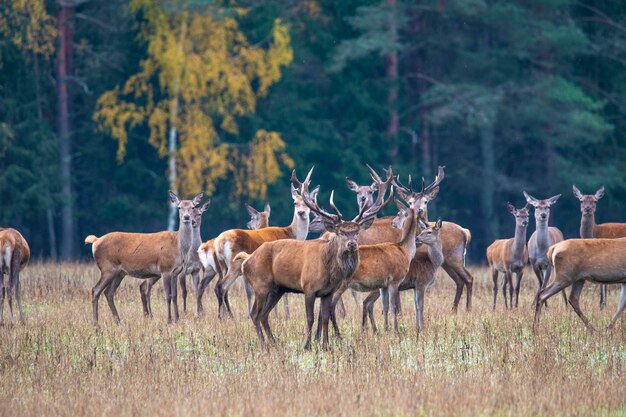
<point x="14" y="255"/>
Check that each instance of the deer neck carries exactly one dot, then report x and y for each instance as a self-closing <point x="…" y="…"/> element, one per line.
<point x="299" y="228"/>
<point x="543" y="237"/>
<point x="185" y="238"/>
<point x="435" y="253"/>
<point x="587" y="224"/>
<point x="340" y="264"/>
<point x="196" y="240"/>
<point x="408" y="234"/>
<point x="519" y="242"/>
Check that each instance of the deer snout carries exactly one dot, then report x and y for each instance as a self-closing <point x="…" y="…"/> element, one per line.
<point x="352" y="246"/>
<point x="544" y="216"/>
<point x="186" y="217"/>
<point x="301" y="213"/>
<point x="362" y="199"/>
<point x="524" y="222"/>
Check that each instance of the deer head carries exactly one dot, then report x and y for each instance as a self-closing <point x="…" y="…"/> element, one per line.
<point x="587" y="201"/>
<point x="196" y="214"/>
<point x="542" y="207"/>
<point x="300" y="209"/>
<point x="418" y="200"/>
<point x="185" y="207"/>
<point x="429" y="235"/>
<point x="365" y="193"/>
<point x="258" y="219"/>
<point x="521" y="215"/>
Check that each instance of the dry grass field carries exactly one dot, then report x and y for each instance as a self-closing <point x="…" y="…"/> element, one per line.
<point x="479" y="363"/>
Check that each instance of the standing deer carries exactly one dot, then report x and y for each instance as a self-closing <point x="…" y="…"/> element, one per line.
<point x="14" y="255"/>
<point x="143" y="255"/>
<point x="231" y="242"/>
<point x="312" y="267"/>
<point x="454" y="238"/>
<point x="258" y="220"/>
<point x="192" y="264"/>
<point x="509" y="256"/>
<point x="542" y="239"/>
<point x="589" y="229"/>
<point x="575" y="261"/>
<point x="421" y="275"/>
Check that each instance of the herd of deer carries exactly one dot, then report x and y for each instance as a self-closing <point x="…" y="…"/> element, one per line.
<point x="381" y="256"/>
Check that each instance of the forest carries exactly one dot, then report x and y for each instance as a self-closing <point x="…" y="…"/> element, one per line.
<point x="105" y="105"/>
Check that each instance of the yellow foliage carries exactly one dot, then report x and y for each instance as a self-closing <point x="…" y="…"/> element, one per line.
<point x="29" y="26"/>
<point x="201" y="72"/>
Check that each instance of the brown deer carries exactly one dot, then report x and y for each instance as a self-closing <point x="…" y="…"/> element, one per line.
<point x="454" y="238"/>
<point x="14" y="255"/>
<point x="509" y="256"/>
<point x="421" y="275"/>
<point x="193" y="266"/>
<point x="231" y="242"/>
<point x="384" y="266"/>
<point x="575" y="261"/>
<point x="313" y="267"/>
<point x="542" y="239"/>
<point x="589" y="229"/>
<point x="143" y="256"/>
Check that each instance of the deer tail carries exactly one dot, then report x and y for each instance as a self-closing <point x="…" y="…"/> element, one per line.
<point x="91" y="239"/>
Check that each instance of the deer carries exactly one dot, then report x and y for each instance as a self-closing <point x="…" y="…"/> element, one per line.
<point x="510" y="256"/>
<point x="454" y="238"/>
<point x="422" y="274"/>
<point x="589" y="229"/>
<point x="231" y="242"/>
<point x="193" y="266"/>
<point x="315" y="268"/>
<point x="14" y="256"/>
<point x="575" y="261"/>
<point x="542" y="238"/>
<point x="143" y="256"/>
<point x="384" y="266"/>
<point x="258" y="220"/>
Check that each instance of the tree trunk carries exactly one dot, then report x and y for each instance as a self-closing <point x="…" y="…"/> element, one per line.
<point x="391" y="72"/>
<point x="487" y="185"/>
<point x="63" y="69"/>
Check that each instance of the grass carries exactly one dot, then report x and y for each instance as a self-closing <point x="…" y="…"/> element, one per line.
<point x="474" y="363"/>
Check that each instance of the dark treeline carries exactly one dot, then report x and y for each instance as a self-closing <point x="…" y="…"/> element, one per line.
<point x="508" y="95"/>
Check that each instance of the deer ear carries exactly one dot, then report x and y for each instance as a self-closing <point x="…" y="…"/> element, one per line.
<point x="511" y="208"/>
<point x="267" y="209"/>
<point x="205" y="206"/>
<point x="251" y="210"/>
<point x="174" y="198"/>
<point x="577" y="192"/>
<point x="314" y="193"/>
<point x="329" y="225"/>
<point x="530" y="199"/>
<point x="438" y="224"/>
<point x="364" y="225"/>
<point x="554" y="199"/>
<point x="600" y="193"/>
<point x="294" y="192"/>
<point x="401" y="207"/>
<point x="432" y="194"/>
<point x="423" y="226"/>
<point x="352" y="185"/>
<point x="198" y="199"/>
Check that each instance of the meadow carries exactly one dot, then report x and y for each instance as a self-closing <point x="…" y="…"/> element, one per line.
<point x="481" y="362"/>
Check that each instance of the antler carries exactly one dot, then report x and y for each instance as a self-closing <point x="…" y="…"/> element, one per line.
<point x="440" y="176"/>
<point x="315" y="208"/>
<point x="367" y="213"/>
<point x="296" y="183"/>
<point x="402" y="189"/>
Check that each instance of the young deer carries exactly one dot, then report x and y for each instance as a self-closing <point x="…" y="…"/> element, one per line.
<point x="542" y="239"/>
<point x="509" y="256"/>
<point x="454" y="238"/>
<point x="313" y="267"/>
<point x="231" y="242"/>
<point x="14" y="255"/>
<point x="575" y="261"/>
<point x="384" y="266"/>
<point x="143" y="255"/>
<point x="421" y="275"/>
<point x="589" y="229"/>
<point x="192" y="264"/>
<point x="258" y="220"/>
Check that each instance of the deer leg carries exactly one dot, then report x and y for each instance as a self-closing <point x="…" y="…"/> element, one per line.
<point x="457" y="281"/>
<point x="286" y="306"/>
<point x="393" y="298"/>
<point x="167" y="288"/>
<point x="356" y="298"/>
<point x="620" y="307"/>
<point x="207" y="277"/>
<point x="574" y="296"/>
<point x="385" y="296"/>
<point x="174" y="294"/>
<point x="144" y="300"/>
<point x="494" y="275"/>
<point x="259" y="303"/>
<point x="110" y="296"/>
<point x="368" y="310"/>
<point x="10" y="288"/>
<point x="182" y="279"/>
<point x="18" y="293"/>
<point x="418" y="294"/>
<point x="248" y="288"/>
<point x="2" y="295"/>
<point x="318" y="331"/>
<point x="309" y="304"/>
<point x="505" y="282"/>
<point x="324" y="318"/>
<point x="341" y="307"/>
<point x="548" y="292"/>
<point x="96" y="291"/>
<point x="519" y="275"/>
<point x="603" y="294"/>
<point x="270" y="303"/>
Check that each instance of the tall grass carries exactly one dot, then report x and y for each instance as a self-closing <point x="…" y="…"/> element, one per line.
<point x="481" y="362"/>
